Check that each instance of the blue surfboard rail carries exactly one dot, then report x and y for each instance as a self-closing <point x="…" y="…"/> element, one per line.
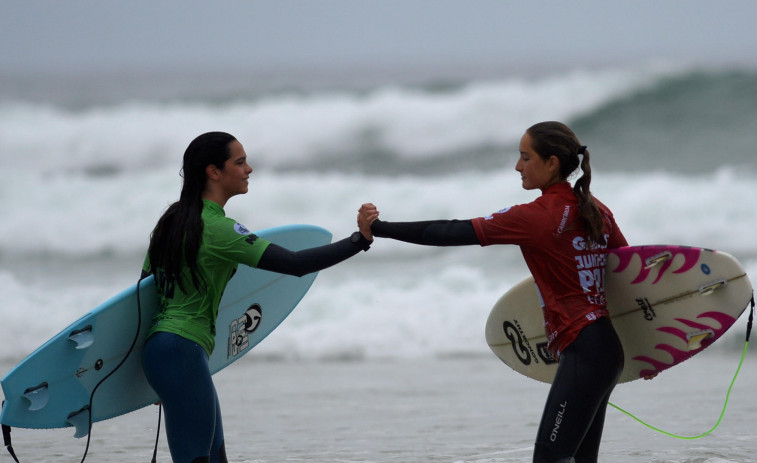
<point x="51" y="387"/>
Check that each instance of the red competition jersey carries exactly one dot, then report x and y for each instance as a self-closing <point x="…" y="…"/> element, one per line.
<point x="569" y="272"/>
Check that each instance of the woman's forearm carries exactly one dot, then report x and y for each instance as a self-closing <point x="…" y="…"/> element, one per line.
<point x="428" y="233"/>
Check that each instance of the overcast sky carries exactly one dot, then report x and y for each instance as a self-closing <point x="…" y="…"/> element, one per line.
<point x="110" y="35"/>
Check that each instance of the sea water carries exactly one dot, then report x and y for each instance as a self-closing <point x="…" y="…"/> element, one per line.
<point x="85" y="178"/>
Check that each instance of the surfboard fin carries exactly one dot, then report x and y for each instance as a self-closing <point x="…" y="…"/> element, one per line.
<point x="709" y="288"/>
<point x="657" y="259"/>
<point x="80" y="420"/>
<point x="83" y="337"/>
<point x="696" y="338"/>
<point x="37" y="397"/>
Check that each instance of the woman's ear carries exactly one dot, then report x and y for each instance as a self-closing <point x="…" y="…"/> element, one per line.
<point x="212" y="172"/>
<point x="554" y="165"/>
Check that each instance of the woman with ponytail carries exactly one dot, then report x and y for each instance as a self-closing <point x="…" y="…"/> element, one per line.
<point x="563" y="235"/>
<point x="194" y="250"/>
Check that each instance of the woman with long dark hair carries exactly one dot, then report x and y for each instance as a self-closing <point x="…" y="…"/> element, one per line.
<point x="562" y="232"/>
<point x="194" y="250"/>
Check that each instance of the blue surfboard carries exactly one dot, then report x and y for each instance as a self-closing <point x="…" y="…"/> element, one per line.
<point x="51" y="388"/>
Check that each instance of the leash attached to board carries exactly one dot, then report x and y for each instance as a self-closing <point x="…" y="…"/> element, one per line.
<point x="727" y="396"/>
<point x="7" y="439"/>
<point x="131" y="349"/>
<point x="7" y="429"/>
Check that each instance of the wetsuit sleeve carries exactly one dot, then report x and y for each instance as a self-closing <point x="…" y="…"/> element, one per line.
<point x="428" y="233"/>
<point x="298" y="263"/>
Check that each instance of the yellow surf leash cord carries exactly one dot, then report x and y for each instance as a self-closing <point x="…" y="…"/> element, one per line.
<point x="727" y="396"/>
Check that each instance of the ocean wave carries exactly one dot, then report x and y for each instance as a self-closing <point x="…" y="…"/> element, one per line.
<point x="83" y="216"/>
<point x="387" y="129"/>
<point x="71" y="244"/>
<point x="83" y="187"/>
<point x="697" y="121"/>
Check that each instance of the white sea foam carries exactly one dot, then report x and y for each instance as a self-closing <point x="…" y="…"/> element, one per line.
<point x="82" y="188"/>
<point x="397" y="300"/>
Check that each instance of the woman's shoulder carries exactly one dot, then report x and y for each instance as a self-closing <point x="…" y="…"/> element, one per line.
<point x="225" y="226"/>
<point x="602" y="206"/>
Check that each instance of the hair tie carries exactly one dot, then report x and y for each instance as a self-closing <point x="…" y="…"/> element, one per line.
<point x="581" y="150"/>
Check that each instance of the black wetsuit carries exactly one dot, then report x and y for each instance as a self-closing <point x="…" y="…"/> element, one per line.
<point x="574" y="414"/>
<point x="573" y="419"/>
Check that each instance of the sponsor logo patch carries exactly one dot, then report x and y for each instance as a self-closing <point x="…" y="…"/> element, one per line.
<point x="241" y="229"/>
<point x="501" y="211"/>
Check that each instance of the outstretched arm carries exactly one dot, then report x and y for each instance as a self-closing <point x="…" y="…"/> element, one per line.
<point x="428" y="233"/>
<point x="298" y="263"/>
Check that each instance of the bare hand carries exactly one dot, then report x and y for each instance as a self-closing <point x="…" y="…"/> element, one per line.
<point x="367" y="214"/>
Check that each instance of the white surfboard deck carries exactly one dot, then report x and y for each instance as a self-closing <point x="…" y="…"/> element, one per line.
<point x="51" y="387"/>
<point x="667" y="304"/>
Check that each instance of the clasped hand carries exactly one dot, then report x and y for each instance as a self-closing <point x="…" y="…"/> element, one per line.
<point x="366" y="215"/>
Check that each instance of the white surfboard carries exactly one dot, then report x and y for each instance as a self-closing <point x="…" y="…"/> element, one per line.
<point x="667" y="304"/>
<point x="51" y="388"/>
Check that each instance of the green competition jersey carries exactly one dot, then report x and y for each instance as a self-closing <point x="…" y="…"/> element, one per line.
<point x="192" y="314"/>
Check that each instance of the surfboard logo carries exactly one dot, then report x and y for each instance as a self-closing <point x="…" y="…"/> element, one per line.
<point x="545" y="354"/>
<point x="252" y="318"/>
<point x="646" y="308"/>
<point x="521" y="346"/>
<point x="241" y="328"/>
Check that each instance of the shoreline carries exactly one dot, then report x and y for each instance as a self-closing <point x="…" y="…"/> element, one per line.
<point x="472" y="410"/>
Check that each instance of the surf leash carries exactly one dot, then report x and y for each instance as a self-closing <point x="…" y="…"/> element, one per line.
<point x="123" y="360"/>
<point x="727" y="396"/>
<point x="7" y="438"/>
<point x="157" y="435"/>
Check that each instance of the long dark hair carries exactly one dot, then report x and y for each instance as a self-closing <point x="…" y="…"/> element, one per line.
<point x="176" y="239"/>
<point x="557" y="139"/>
